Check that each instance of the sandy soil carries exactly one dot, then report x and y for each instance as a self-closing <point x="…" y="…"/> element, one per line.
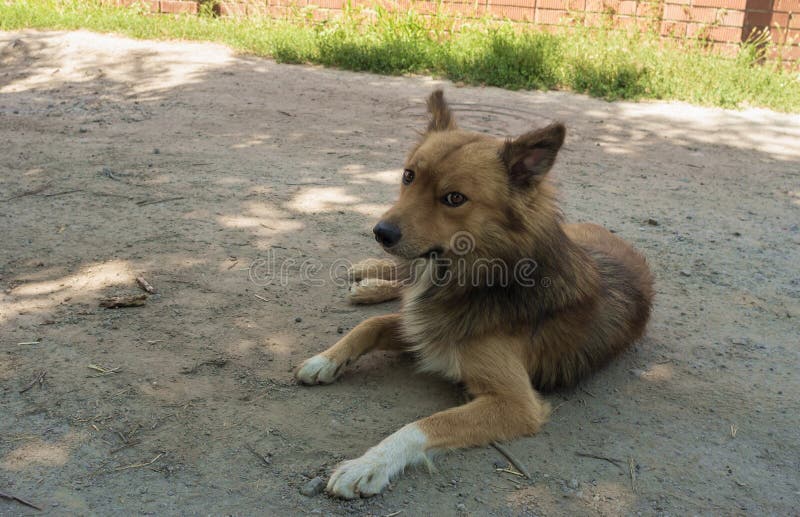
<point x="187" y="164"/>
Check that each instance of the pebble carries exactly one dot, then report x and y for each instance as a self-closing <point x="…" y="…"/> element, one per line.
<point x="461" y="507"/>
<point x="313" y="487"/>
<point x="298" y="319"/>
<point x="573" y="483"/>
<point x="685" y="273"/>
<point x="652" y="222"/>
<point x="339" y="330"/>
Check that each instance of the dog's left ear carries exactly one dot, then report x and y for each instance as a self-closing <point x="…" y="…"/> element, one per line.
<point x="530" y="157"/>
<point x="441" y="116"/>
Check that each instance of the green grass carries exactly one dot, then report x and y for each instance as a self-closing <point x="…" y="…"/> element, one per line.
<point x="601" y="62"/>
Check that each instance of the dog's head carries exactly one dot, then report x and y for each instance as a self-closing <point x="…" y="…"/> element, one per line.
<point x="465" y="190"/>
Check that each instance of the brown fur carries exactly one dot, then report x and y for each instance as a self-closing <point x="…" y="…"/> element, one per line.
<point x="587" y="299"/>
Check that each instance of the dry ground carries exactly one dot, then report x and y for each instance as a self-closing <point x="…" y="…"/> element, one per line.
<point x="244" y="156"/>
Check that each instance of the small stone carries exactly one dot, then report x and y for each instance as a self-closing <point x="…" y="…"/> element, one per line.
<point x="573" y="483"/>
<point x="313" y="487"/>
<point x="298" y="319"/>
<point x="652" y="222"/>
<point x="500" y="464"/>
<point x="156" y="151"/>
<point x="339" y="330"/>
<point x="685" y="273"/>
<point x="461" y="507"/>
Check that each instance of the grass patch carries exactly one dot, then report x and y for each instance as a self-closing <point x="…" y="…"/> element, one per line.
<point x="599" y="61"/>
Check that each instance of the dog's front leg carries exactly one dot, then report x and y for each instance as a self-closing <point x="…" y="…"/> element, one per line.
<point x="505" y="407"/>
<point x="374" y="333"/>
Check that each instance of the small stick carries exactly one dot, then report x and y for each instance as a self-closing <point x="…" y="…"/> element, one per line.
<point x="32" y="192"/>
<point x="514" y="461"/>
<point x="632" y="470"/>
<point x="154" y="201"/>
<point x="20" y="500"/>
<point x="261" y="298"/>
<point x="104" y="371"/>
<point x="734" y="429"/>
<point x="138" y="465"/>
<point x="144" y="284"/>
<point x="39" y="378"/>
<point x="263" y="458"/>
<point x="398" y="512"/>
<point x="509" y="471"/>
<point x="29" y="343"/>
<point x="613" y="461"/>
<point x="62" y="193"/>
<point x="124" y="446"/>
<point x="587" y="392"/>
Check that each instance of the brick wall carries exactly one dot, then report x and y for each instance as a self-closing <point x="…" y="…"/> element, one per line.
<point x="723" y="23"/>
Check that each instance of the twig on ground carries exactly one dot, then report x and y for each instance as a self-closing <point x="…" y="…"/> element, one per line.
<point x="514" y="461"/>
<point x="588" y="392"/>
<point x="265" y="459"/>
<point x="124" y="446"/>
<point x="632" y="471"/>
<point x="617" y="463"/>
<point x="102" y="370"/>
<point x="63" y="193"/>
<point x="734" y="429"/>
<point x="38" y="379"/>
<point x="144" y="284"/>
<point x="398" y="512"/>
<point x="511" y="471"/>
<point x="115" y="302"/>
<point x="155" y="201"/>
<point x="31" y="192"/>
<point x="20" y="500"/>
<point x="138" y="465"/>
<point x="261" y="298"/>
<point x="29" y="343"/>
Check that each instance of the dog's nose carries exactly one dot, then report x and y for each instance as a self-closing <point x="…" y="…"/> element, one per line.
<point x="387" y="234"/>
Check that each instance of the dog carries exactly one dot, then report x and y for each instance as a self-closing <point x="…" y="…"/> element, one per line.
<point x="498" y="293"/>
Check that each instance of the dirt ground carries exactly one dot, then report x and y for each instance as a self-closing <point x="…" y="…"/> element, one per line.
<point x="187" y="164"/>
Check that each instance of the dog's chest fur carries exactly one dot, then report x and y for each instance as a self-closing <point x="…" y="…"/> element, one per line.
<point x="436" y="353"/>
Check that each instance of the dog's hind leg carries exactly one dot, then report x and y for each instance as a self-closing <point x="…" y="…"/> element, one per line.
<point x="380" y="332"/>
<point x="384" y="269"/>
<point x="374" y="290"/>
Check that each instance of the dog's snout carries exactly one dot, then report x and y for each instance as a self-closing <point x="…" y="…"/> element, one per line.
<point x="387" y="234"/>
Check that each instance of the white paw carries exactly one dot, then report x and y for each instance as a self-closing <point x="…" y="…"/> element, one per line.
<point x="371" y="473"/>
<point x="318" y="370"/>
<point x="360" y="477"/>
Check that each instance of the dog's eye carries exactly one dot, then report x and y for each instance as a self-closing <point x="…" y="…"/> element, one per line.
<point x="454" y="199"/>
<point x="408" y="177"/>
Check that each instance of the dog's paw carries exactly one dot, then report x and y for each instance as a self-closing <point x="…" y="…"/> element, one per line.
<point x="371" y="473"/>
<point x="373" y="290"/>
<point x="371" y="268"/>
<point x="362" y="477"/>
<point x="318" y="370"/>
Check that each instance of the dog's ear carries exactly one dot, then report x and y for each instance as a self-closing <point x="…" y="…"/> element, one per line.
<point x="441" y="116"/>
<point x="529" y="157"/>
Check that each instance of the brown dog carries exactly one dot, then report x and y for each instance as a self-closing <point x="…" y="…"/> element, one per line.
<point x="498" y="293"/>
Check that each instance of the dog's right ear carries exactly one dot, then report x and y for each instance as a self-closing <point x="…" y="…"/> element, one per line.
<point x="441" y="116"/>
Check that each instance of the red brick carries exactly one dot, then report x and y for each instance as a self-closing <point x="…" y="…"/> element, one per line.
<point x="794" y="21"/>
<point x="758" y="19"/>
<point x="178" y="7"/>
<point x="703" y="14"/>
<point x="232" y="9"/>
<point x="551" y="16"/>
<point x="699" y="30"/>
<point x="677" y="12"/>
<point x="674" y="29"/>
<point x="627" y="7"/>
<point x="329" y="4"/>
<point x="516" y="3"/>
<point x="513" y="13"/>
<point x="726" y="49"/>
<point x="257" y="11"/>
<point x="779" y="20"/>
<point x="727" y="4"/>
<point x="786" y="6"/>
<point x="759" y="5"/>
